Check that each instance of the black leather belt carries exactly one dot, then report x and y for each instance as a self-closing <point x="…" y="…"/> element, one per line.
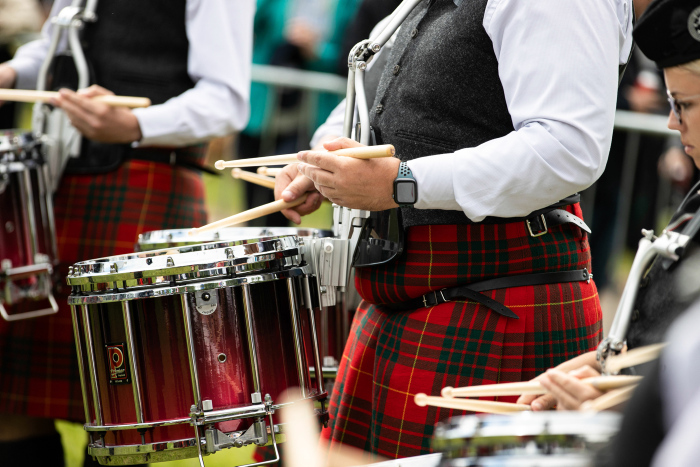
<point x="172" y="157"/>
<point x="538" y="225"/>
<point x="472" y="291"/>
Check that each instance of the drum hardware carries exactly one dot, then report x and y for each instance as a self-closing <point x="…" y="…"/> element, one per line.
<point x="669" y="245"/>
<point x="206" y="303"/>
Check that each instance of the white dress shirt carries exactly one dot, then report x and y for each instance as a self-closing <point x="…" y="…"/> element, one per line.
<point x="558" y="64"/>
<point x="220" y="34"/>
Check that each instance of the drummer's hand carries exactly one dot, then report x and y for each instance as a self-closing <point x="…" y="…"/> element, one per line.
<point x="566" y="388"/>
<point x="96" y="120"/>
<point x="291" y="184"/>
<point x="349" y="182"/>
<point x="8" y="76"/>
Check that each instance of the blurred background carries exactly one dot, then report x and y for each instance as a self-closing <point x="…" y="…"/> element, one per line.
<point x="299" y="76"/>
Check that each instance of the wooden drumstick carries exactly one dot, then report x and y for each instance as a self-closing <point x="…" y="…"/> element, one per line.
<point x="603" y="383"/>
<point x="609" y="399"/>
<point x="26" y="95"/>
<point x="262" y="180"/>
<point x="634" y="357"/>
<point x="422" y="400"/>
<point x="363" y="152"/>
<point x="269" y="171"/>
<point x="250" y="214"/>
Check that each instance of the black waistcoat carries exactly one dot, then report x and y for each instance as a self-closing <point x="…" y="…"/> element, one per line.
<point x="440" y="91"/>
<point x="135" y="48"/>
<point x="667" y="289"/>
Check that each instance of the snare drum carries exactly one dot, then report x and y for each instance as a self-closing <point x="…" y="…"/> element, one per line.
<point x="27" y="235"/>
<point x="332" y="323"/>
<point x="528" y="439"/>
<point x="206" y="335"/>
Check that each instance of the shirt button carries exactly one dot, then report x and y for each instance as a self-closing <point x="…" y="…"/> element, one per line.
<point x="396" y="69"/>
<point x="414" y="33"/>
<point x="380" y="108"/>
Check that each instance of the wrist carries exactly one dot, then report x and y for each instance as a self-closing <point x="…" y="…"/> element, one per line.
<point x="405" y="187"/>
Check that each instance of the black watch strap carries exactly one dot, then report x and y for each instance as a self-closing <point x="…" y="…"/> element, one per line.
<point x="405" y="187"/>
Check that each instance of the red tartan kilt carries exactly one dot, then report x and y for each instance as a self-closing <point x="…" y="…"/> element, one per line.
<point x="391" y="356"/>
<point x="96" y="216"/>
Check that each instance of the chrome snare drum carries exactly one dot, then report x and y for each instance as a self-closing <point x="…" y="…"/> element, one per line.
<point x="28" y="250"/>
<point x="205" y="336"/>
<point x="528" y="439"/>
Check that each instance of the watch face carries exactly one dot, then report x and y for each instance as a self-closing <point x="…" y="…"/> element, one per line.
<point x="406" y="192"/>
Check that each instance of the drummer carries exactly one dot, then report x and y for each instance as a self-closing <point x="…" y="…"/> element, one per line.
<point x="668" y="33"/>
<point x="138" y="171"/>
<point x="499" y="112"/>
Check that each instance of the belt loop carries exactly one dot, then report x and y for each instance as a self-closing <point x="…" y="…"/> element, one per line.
<point x="538" y="234"/>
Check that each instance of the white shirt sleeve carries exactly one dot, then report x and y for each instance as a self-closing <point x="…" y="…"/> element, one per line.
<point x="220" y="34"/>
<point x="558" y="64"/>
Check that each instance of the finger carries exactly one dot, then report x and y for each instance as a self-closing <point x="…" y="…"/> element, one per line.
<point x="573" y="388"/>
<point x="341" y="143"/>
<point x="544" y="402"/>
<point x="322" y="160"/>
<point x="88" y="105"/>
<point x="77" y="115"/>
<point x="318" y="176"/>
<point x="95" y="90"/>
<point x="565" y="400"/>
<point x="284" y="178"/>
<point x="584" y="372"/>
<point x="312" y="203"/>
<point x="296" y="188"/>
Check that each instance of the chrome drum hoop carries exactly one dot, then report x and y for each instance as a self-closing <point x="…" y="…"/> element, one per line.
<point x="162" y="239"/>
<point x="185" y="263"/>
<point x="138" y="293"/>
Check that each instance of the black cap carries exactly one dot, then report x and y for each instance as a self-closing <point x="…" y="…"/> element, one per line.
<point x="669" y="32"/>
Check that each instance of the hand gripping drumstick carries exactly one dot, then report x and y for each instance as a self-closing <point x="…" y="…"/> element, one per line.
<point x="364" y="152"/>
<point x="634" y="357"/>
<point x="609" y="399"/>
<point x="24" y="95"/>
<point x="603" y="383"/>
<point x="250" y="214"/>
<point x="422" y="400"/>
<point x="261" y="180"/>
<point x="268" y="171"/>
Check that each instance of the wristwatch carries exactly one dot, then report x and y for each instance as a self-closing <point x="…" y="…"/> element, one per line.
<point x="405" y="187"/>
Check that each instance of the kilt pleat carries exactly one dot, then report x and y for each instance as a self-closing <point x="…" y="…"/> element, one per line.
<point x="96" y="216"/>
<point x="391" y="356"/>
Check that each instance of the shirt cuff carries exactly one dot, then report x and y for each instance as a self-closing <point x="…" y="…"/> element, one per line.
<point x="435" y="189"/>
<point x="157" y="124"/>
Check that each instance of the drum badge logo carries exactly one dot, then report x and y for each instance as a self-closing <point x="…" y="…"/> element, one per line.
<point x="118" y="368"/>
<point x="694" y="24"/>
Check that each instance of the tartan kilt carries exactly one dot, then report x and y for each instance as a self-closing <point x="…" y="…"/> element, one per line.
<point x="390" y="356"/>
<point x="96" y="216"/>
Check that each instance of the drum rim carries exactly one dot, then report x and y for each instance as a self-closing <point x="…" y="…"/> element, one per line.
<point x="150" y="237"/>
<point x="97" y="298"/>
<point x="191" y="261"/>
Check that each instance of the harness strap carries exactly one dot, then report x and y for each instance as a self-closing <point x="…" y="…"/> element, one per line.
<point x="472" y="291"/>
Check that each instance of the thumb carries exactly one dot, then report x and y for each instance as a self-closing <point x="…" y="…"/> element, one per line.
<point x="296" y="188"/>
<point x="341" y="143"/>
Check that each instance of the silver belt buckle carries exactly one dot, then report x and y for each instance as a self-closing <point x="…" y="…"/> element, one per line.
<point x="538" y="234"/>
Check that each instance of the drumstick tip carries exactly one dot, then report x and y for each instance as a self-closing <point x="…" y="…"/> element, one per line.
<point x="219" y="165"/>
<point x="262" y="170"/>
<point x="235" y="173"/>
<point x="421" y="399"/>
<point x="447" y="392"/>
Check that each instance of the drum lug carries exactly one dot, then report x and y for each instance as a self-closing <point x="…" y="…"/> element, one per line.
<point x="206" y="301"/>
<point x="255" y="434"/>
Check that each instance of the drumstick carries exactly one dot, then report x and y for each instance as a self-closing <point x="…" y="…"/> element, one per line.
<point x="609" y="399"/>
<point x="363" y="152"/>
<point x="250" y="214"/>
<point x="26" y="95"/>
<point x="422" y="400"/>
<point x="604" y="383"/>
<point x="269" y="171"/>
<point x="262" y="180"/>
<point x="634" y="357"/>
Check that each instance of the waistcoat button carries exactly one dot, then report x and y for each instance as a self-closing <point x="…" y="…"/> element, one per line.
<point x="414" y="33"/>
<point x="396" y="69"/>
<point x="380" y="108"/>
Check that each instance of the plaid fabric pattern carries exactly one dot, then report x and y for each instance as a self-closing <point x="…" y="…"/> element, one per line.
<point x="391" y="356"/>
<point x="96" y="216"/>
